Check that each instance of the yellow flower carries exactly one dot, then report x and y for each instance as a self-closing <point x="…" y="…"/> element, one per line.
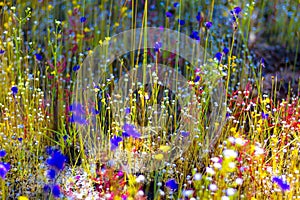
<point x="159" y="156"/>
<point x="22" y="198"/>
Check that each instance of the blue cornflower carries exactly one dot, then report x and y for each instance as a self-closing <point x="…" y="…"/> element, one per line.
<point x="176" y="4"/>
<point x="76" y="68"/>
<point x="4" y="168"/>
<point x="218" y="56"/>
<point x="14" y="89"/>
<point x="2" y="153"/>
<point x="56" y="191"/>
<point x="284" y="186"/>
<point x="130" y="130"/>
<point x="46" y="188"/>
<point x="82" y="19"/>
<point x="57" y="160"/>
<point x="51" y="174"/>
<point x="264" y="115"/>
<point x="38" y="56"/>
<point x="2" y="51"/>
<point x="237" y="10"/>
<point x="115" y="142"/>
<point x="198" y="17"/>
<point x="208" y="25"/>
<point x="225" y="50"/>
<point x="172" y="184"/>
<point x="181" y="22"/>
<point x="169" y="14"/>
<point x="197" y="79"/>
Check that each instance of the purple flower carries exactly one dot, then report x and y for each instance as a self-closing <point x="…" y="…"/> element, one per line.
<point x="2" y="51"/>
<point x="208" y="25"/>
<point x="195" y="35"/>
<point x="127" y="110"/>
<point x="2" y="153"/>
<point x="237" y="10"/>
<point x="281" y="184"/>
<point x="38" y="56"/>
<point x="198" y="17"/>
<point x="51" y="173"/>
<point x="78" y="114"/>
<point x="130" y="130"/>
<point x="227" y="115"/>
<point x="82" y="19"/>
<point x="56" y="191"/>
<point x="115" y="142"/>
<point x="172" y="184"/>
<point x="57" y="160"/>
<point x="218" y="56"/>
<point x="4" y="168"/>
<point x="14" y="89"/>
<point x="225" y="50"/>
<point x="176" y="4"/>
<point x="76" y="68"/>
<point x="181" y="22"/>
<point x="157" y="46"/>
<point x="262" y="61"/>
<point x="169" y="14"/>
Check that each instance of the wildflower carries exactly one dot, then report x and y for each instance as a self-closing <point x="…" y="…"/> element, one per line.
<point x="115" y="142"/>
<point x="56" y="191"/>
<point x="264" y="115"/>
<point x="51" y="174"/>
<point x="78" y="114"/>
<point x="197" y="79"/>
<point x="213" y="187"/>
<point x="284" y="186"/>
<point x="130" y="130"/>
<point x="195" y="35"/>
<point x="228" y="153"/>
<point x="46" y="188"/>
<point x="198" y="17"/>
<point x="38" y="56"/>
<point x="2" y="51"/>
<point x="185" y="134"/>
<point x="208" y="25"/>
<point x="218" y="56"/>
<point x="14" y="89"/>
<point x="157" y="46"/>
<point x="172" y="184"/>
<point x="225" y="50"/>
<point x="2" y="153"/>
<point x="181" y="22"/>
<point x="4" y="168"/>
<point x="76" y="68"/>
<point x="57" y="160"/>
<point x="176" y="4"/>
<point x="169" y="14"/>
<point x="82" y="19"/>
<point x="230" y="191"/>
<point x="262" y="61"/>
<point x="22" y="198"/>
<point x="236" y="11"/>
<point x="127" y="110"/>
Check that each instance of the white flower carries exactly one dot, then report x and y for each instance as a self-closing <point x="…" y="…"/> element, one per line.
<point x="197" y="176"/>
<point x="230" y="191"/>
<point x="229" y="153"/>
<point x="213" y="187"/>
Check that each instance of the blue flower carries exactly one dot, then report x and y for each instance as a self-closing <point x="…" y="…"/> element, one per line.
<point x="208" y="25"/>
<point x="198" y="17"/>
<point x="197" y="79"/>
<point x="157" y="46"/>
<point x="78" y="114"/>
<point x="2" y="51"/>
<point x="4" y="168"/>
<point x="38" y="56"/>
<point x="76" y="68"/>
<point x="46" y="188"/>
<point x="82" y="19"/>
<point x="237" y="10"/>
<point x="181" y="22"/>
<point x="195" y="35"/>
<point x="264" y="115"/>
<point x="57" y="160"/>
<point x="172" y="184"/>
<point x="127" y="110"/>
<point x="115" y="142"/>
<point x="185" y="134"/>
<point x="218" y="56"/>
<point x="284" y="186"/>
<point x="51" y="174"/>
<point x="2" y="153"/>
<point x="14" y="89"/>
<point x="225" y="50"/>
<point x="176" y="4"/>
<point x="130" y="130"/>
<point x="56" y="191"/>
<point x="169" y="14"/>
